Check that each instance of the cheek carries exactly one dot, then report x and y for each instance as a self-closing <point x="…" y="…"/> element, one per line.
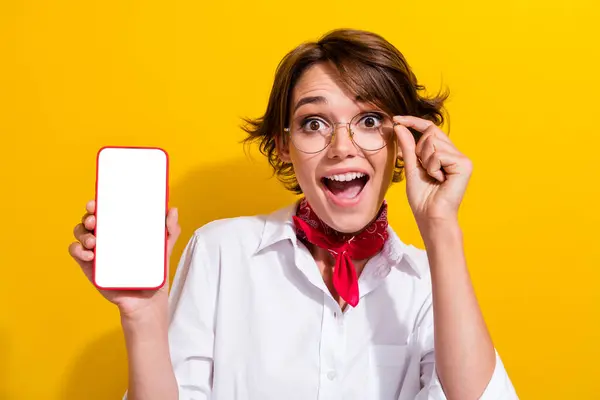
<point x="392" y="156"/>
<point x="304" y="168"/>
<point x="383" y="162"/>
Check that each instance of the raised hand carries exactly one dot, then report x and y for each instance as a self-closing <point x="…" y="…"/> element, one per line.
<point x="128" y="301"/>
<point x="437" y="173"/>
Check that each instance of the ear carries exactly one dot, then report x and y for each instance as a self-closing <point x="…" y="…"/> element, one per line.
<point x="283" y="149"/>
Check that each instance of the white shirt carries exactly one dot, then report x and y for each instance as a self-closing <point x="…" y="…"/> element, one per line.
<point x="252" y="319"/>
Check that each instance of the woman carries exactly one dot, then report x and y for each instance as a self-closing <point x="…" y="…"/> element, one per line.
<point x="322" y="300"/>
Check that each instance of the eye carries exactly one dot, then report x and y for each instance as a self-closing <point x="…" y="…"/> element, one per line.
<point x="370" y="121"/>
<point x="311" y="125"/>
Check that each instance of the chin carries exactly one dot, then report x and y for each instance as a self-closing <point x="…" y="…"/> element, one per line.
<point x="345" y="223"/>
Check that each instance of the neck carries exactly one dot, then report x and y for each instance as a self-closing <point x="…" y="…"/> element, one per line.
<point x="325" y="262"/>
<point x="341" y="258"/>
<point x="347" y="235"/>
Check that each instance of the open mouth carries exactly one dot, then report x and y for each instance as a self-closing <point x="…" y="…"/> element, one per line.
<point x="346" y="186"/>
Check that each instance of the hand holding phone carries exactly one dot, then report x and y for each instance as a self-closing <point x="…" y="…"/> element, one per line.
<point x="132" y="186"/>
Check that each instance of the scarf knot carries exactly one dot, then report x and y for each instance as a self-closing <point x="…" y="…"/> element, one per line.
<point x="343" y="247"/>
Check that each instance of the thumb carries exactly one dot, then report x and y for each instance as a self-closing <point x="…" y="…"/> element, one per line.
<point x="173" y="228"/>
<point x="407" y="146"/>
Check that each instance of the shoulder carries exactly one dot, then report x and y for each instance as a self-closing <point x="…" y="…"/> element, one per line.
<point x="244" y="234"/>
<point x="231" y="231"/>
<point x="408" y="257"/>
<point x="412" y="277"/>
<point x="227" y="238"/>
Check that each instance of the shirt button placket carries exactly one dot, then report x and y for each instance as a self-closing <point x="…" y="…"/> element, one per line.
<point x="332" y="341"/>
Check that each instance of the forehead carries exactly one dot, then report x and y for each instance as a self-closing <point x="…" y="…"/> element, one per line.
<point x="321" y="80"/>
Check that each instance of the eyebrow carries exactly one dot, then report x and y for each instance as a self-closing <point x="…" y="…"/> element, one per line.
<point x="310" y="100"/>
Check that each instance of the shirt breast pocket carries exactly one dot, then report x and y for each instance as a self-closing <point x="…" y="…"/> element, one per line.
<point x="387" y="368"/>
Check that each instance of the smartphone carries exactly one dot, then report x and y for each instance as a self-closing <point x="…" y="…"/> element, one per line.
<point x="132" y="196"/>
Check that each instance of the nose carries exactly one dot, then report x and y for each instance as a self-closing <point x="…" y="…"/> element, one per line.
<point x="341" y="145"/>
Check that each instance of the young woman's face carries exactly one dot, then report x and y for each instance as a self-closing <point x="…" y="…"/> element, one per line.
<point x="343" y="183"/>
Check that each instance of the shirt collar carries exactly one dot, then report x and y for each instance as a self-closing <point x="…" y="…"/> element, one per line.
<point x="403" y="256"/>
<point x="279" y="226"/>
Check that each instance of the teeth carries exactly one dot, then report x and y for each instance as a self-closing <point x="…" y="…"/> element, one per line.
<point x="346" y="177"/>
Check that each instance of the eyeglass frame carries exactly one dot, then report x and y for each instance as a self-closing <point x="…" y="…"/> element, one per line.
<point x="350" y="133"/>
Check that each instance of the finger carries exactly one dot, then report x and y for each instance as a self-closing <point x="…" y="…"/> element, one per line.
<point x="449" y="163"/>
<point x="406" y="144"/>
<point x="422" y="143"/>
<point x="91" y="207"/>
<point x="433" y="166"/>
<point x="89" y="221"/>
<point x="416" y="123"/>
<point x="429" y="146"/>
<point x="424" y="149"/>
<point x="85" y="237"/>
<point x="80" y="255"/>
<point x="83" y="258"/>
<point x="421" y="125"/>
<point x="437" y="134"/>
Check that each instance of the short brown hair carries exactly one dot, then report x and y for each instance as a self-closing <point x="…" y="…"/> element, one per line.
<point x="370" y="68"/>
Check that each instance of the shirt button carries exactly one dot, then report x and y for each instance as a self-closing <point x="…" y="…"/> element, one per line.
<point x="331" y="375"/>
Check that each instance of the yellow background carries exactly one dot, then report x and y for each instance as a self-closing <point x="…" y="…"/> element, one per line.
<point x="77" y="75"/>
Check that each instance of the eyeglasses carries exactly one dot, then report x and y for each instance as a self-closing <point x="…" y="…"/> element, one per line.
<point x="370" y="131"/>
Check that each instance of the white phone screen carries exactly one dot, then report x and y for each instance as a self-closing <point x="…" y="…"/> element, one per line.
<point x="131" y="207"/>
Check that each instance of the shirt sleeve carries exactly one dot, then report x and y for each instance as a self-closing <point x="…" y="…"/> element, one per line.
<point x="192" y="303"/>
<point x="499" y="387"/>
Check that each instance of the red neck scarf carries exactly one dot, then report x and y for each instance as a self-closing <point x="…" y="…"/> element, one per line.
<point x="343" y="247"/>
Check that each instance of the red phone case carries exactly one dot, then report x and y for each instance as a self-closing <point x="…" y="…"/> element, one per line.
<point x="166" y="212"/>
